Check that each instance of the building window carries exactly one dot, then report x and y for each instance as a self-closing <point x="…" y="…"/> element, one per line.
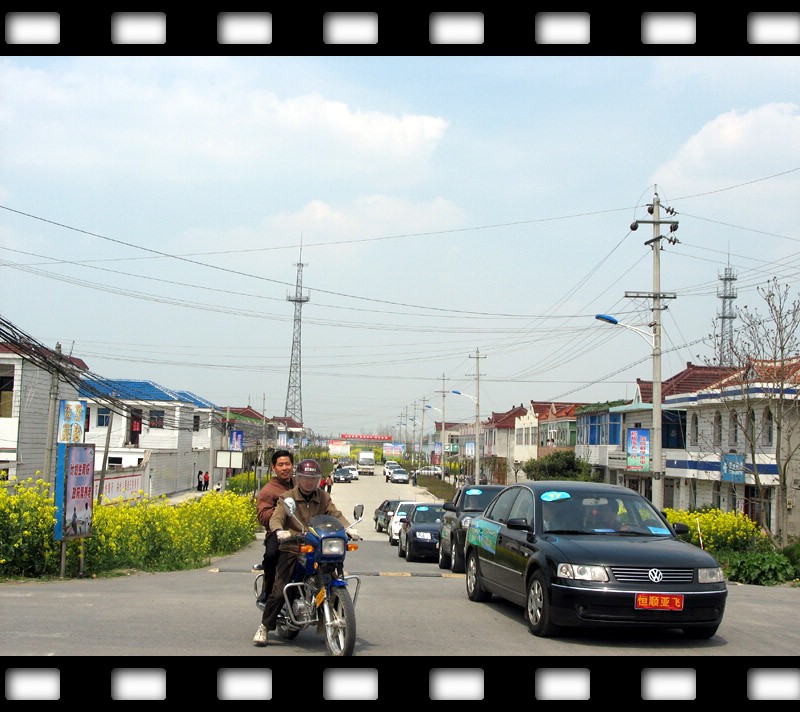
<point x="694" y="433"/>
<point x="6" y="395"/>
<point x="114" y="463"/>
<point x="733" y="428"/>
<point x="156" y="418"/>
<point x="196" y="423"/>
<point x="103" y="417"/>
<point x="767" y="428"/>
<point x="717" y="435"/>
<point x="751" y="428"/>
<point x="715" y="492"/>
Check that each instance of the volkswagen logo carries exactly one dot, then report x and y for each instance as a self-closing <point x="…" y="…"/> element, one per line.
<point x="655" y="575"/>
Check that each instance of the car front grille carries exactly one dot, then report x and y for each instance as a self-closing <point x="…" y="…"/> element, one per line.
<point x="626" y="574"/>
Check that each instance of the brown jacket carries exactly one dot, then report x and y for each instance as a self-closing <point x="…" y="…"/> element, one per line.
<point x="268" y="497"/>
<point x="320" y="503"/>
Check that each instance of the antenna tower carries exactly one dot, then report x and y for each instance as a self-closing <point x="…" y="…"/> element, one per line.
<point x="727" y="295"/>
<point x="294" y="394"/>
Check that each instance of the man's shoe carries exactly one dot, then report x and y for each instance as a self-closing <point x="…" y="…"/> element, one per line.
<point x="260" y="638"/>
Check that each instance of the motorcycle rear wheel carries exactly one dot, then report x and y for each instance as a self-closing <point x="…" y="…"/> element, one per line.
<point x="340" y="627"/>
<point x="281" y="625"/>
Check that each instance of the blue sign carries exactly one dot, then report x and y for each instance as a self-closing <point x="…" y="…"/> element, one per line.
<point x="732" y="468"/>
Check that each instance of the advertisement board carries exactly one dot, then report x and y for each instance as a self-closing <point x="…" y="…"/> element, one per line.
<point x="638" y="450"/>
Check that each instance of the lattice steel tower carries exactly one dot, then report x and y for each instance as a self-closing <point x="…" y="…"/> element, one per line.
<point x="294" y="394"/>
<point x="727" y="295"/>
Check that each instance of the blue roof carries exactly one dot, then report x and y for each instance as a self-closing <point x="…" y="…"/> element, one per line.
<point x="128" y="389"/>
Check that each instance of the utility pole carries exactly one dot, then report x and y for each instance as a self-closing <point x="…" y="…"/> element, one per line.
<point x="477" y="357"/>
<point x="444" y="426"/>
<point x="52" y="420"/>
<point x="422" y="460"/>
<point x="656" y="456"/>
<point x="413" y="434"/>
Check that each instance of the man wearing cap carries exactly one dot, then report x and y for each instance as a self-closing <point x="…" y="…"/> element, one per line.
<point x="311" y="500"/>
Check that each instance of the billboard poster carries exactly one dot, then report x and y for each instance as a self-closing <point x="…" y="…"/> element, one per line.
<point x="70" y="421"/>
<point x="392" y="450"/>
<point x="638" y="450"/>
<point x="339" y="448"/>
<point x="75" y="518"/>
<point x="732" y="468"/>
<point x="236" y="440"/>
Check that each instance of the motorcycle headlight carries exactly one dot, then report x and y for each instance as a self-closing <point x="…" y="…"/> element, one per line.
<point x="332" y="547"/>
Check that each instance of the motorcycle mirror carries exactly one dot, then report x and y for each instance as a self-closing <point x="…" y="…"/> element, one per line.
<point x="291" y="505"/>
<point x="358" y="511"/>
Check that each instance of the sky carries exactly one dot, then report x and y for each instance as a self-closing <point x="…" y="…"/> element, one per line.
<point x="453" y="216"/>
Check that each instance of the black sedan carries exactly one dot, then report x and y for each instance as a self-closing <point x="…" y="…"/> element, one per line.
<point x="419" y="532"/>
<point x="588" y="554"/>
<point x="342" y="474"/>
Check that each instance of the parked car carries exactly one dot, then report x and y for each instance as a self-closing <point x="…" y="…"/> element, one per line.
<point x="353" y="470"/>
<point x="393" y="530"/>
<point x="589" y="554"/>
<point x="468" y="501"/>
<point x="383" y="514"/>
<point x="399" y="475"/>
<point x="342" y="474"/>
<point x="419" y="532"/>
<point x="430" y="470"/>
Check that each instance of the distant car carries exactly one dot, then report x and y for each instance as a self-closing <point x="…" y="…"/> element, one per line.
<point x="353" y="470"/>
<point x="388" y="466"/>
<point x="393" y="529"/>
<point x="342" y="474"/>
<point x="419" y="532"/>
<point x="383" y="514"/>
<point x="430" y="471"/>
<point x="468" y="501"/>
<point x="594" y="555"/>
<point x="399" y="476"/>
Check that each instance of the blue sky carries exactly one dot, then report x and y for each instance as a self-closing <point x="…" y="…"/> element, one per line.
<point x="154" y="210"/>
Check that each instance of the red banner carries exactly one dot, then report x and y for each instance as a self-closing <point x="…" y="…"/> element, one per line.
<point x="378" y="438"/>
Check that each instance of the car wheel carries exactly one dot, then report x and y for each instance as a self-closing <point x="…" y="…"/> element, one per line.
<point x="457" y="554"/>
<point x="393" y="541"/>
<point x="377" y="526"/>
<point x="400" y="551"/>
<point x="537" y="607"/>
<point x="475" y="589"/>
<point x="409" y="555"/>
<point x="444" y="559"/>
<point x="702" y="632"/>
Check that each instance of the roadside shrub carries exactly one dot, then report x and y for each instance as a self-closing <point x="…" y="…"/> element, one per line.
<point x="763" y="568"/>
<point x="731" y="531"/>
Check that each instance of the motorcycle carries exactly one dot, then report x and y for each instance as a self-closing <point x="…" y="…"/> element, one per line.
<point x="318" y="592"/>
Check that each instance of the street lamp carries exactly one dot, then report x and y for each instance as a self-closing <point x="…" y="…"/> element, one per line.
<point x="476" y="477"/>
<point x="652" y="338"/>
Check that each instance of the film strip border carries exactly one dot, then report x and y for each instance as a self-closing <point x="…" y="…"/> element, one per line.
<point x="404" y="30"/>
<point x="405" y="681"/>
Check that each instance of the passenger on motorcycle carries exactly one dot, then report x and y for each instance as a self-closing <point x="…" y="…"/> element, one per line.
<point x="281" y="481"/>
<point x="311" y="500"/>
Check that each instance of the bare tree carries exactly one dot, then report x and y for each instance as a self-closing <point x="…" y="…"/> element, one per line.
<point x="761" y="397"/>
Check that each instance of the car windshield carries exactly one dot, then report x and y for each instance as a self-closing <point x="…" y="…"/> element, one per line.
<point x="425" y="514"/>
<point x="476" y="499"/>
<point x="619" y="514"/>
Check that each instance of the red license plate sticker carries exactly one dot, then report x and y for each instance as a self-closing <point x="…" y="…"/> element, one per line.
<point x="659" y="602"/>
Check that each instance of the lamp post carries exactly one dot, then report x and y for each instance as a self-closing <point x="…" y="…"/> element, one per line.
<point x="476" y="401"/>
<point x="655" y="436"/>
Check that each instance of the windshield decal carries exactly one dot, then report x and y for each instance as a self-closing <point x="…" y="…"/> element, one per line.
<point x="474" y="490"/>
<point x="554" y="495"/>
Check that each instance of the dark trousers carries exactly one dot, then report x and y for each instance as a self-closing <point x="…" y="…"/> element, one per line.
<point x="268" y="563"/>
<point x="275" y="600"/>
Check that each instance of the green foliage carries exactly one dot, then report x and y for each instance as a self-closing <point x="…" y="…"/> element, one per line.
<point x="792" y="552"/>
<point x="559" y="465"/>
<point x="763" y="568"/>
<point x="440" y="489"/>
<point x="143" y="533"/>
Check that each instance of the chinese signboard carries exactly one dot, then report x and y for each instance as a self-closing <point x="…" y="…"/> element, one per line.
<point x="236" y="440"/>
<point x="76" y="481"/>
<point x="638" y="450"/>
<point x="732" y="468"/>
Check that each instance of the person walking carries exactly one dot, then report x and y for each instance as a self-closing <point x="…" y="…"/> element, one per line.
<point x="206" y="480"/>
<point x="282" y="465"/>
<point x="311" y="500"/>
<point x="199" y="480"/>
<point x="329" y="483"/>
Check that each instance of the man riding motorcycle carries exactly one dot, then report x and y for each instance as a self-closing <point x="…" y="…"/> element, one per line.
<point x="311" y="500"/>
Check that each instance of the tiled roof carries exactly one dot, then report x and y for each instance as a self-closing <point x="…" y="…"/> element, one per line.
<point x="190" y="397"/>
<point x="693" y="378"/>
<point x="128" y="389"/>
<point x="9" y="349"/>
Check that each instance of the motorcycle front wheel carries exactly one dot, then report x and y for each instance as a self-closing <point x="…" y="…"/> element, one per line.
<point x="284" y="627"/>
<point x="340" y="622"/>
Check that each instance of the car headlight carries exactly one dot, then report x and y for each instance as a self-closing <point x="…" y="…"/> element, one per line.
<point x="582" y="572"/>
<point x="423" y="535"/>
<point x="332" y="547"/>
<point x="713" y="575"/>
<point x="465" y="522"/>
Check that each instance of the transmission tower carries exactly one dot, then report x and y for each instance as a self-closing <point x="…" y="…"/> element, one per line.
<point x="294" y="394"/>
<point x="727" y="294"/>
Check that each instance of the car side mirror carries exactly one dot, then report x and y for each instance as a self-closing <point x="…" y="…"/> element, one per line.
<point x="519" y="523"/>
<point x="449" y="507"/>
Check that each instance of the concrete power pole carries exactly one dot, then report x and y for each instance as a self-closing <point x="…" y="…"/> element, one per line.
<point x="477" y="357"/>
<point x="656" y="457"/>
<point x="294" y="393"/>
<point x="49" y="474"/>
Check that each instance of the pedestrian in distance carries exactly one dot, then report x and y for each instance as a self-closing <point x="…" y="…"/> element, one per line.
<point x="313" y="500"/>
<point x="282" y="465"/>
<point x="206" y="481"/>
<point x="329" y="483"/>
<point x="199" y="480"/>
